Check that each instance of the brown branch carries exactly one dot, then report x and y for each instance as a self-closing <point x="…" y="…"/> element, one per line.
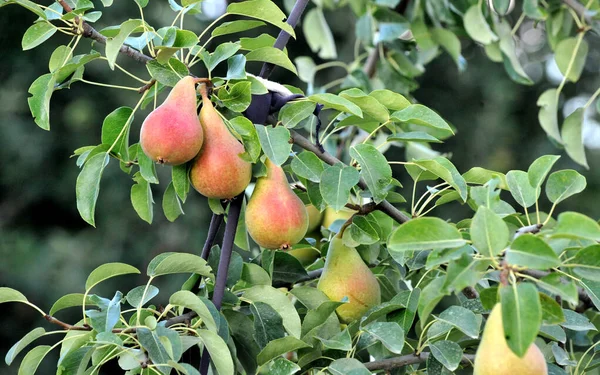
<point x="409" y="359"/>
<point x="89" y="32"/>
<point x="384" y="206"/>
<point x="371" y="63"/>
<point x="70" y="327"/>
<point x="470" y="292"/>
<point x="147" y="86"/>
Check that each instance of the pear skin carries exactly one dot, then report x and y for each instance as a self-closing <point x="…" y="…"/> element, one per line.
<point x="314" y="217"/>
<point x="346" y="275"/>
<point x="494" y="357"/>
<point x="330" y="216"/>
<point x="276" y="218"/>
<point x="172" y="134"/>
<point x="218" y="171"/>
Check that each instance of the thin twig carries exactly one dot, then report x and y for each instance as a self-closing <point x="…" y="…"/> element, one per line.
<point x="579" y="8"/>
<point x="91" y="33"/>
<point x="409" y="359"/>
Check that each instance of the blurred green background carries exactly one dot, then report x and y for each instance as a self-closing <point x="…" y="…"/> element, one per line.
<point x="47" y="250"/>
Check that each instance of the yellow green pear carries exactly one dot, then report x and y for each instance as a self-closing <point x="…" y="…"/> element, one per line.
<point x="276" y="217"/>
<point x="346" y="275"/>
<point x="314" y="217"/>
<point x="494" y="357"/>
<point x="329" y="216"/>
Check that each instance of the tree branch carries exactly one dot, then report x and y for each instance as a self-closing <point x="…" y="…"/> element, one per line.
<point x="384" y="206"/>
<point x="283" y="37"/>
<point x="409" y="359"/>
<point x="91" y="33"/>
<point x="579" y="8"/>
<point x="213" y="229"/>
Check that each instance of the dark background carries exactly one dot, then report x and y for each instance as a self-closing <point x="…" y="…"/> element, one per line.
<point x="47" y="250"/>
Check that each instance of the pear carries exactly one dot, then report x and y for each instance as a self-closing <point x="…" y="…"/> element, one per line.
<point x="314" y="217"/>
<point x="494" y="357"/>
<point x="330" y="215"/>
<point x="218" y="171"/>
<point x="172" y="134"/>
<point x="346" y="275"/>
<point x="276" y="218"/>
<point x="305" y="255"/>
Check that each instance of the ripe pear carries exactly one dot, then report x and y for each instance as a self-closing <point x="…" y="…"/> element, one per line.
<point x="276" y="218"/>
<point x="306" y="255"/>
<point x="218" y="171"/>
<point x="346" y="275"/>
<point x="330" y="215"/>
<point x="172" y="134"/>
<point x="494" y="357"/>
<point x="314" y="217"/>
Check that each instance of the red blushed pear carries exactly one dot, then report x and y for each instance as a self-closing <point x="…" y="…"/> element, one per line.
<point x="276" y="218"/>
<point x="172" y="134"/>
<point x="218" y="171"/>
<point x="346" y="275"/>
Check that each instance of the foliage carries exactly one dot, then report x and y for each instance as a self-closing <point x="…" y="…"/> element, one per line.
<point x="437" y="278"/>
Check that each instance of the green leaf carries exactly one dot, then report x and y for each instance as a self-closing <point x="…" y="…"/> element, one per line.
<point x="577" y="322"/>
<point x="112" y="128"/>
<point x="271" y="55"/>
<point x="531" y="252"/>
<point x="249" y="135"/>
<point x="421" y="115"/>
<point x="318" y="34"/>
<point x="336" y="102"/>
<point x="481" y="176"/>
<point x="563" y="184"/>
<point x="181" y="182"/>
<point x="282" y="366"/>
<point x="294" y="112"/>
<point x="278" y="347"/>
<point x="341" y="341"/>
<point x="261" y="41"/>
<point x="575" y="225"/>
<point x="348" y="366"/>
<point x="69" y="300"/>
<point x="153" y="345"/>
<point x="23" y="343"/>
<point x="593" y="290"/>
<point x="336" y="183"/>
<point x="565" y="53"/>
<point x="489" y="232"/>
<point x="393" y="101"/>
<point x="287" y="268"/>
<point x="168" y="74"/>
<point x="37" y="34"/>
<point x="227" y="28"/>
<point x="39" y="102"/>
<point x="477" y="27"/>
<point x="11" y="295"/>
<point x="450" y="42"/>
<point x="135" y="295"/>
<point x="511" y="61"/>
<point x="275" y="142"/>
<point x="555" y="285"/>
<point x="587" y="263"/>
<point x="236" y="68"/>
<point x="390" y="334"/>
<point x="369" y="106"/>
<point x="360" y="232"/>
<point x="445" y="170"/>
<point x="105" y="319"/>
<point x="268" y="325"/>
<point x="448" y="353"/>
<point x="238" y="98"/>
<point x="278" y="301"/>
<point x="521" y="189"/>
<point x="191" y="301"/>
<point x="113" y="45"/>
<point x="88" y="186"/>
<point x="413" y="137"/>
<point x="425" y="233"/>
<point x="264" y="10"/>
<point x="171" y="204"/>
<point x="107" y="271"/>
<point x="141" y="198"/>
<point x="572" y="137"/>
<point x="547" y="115"/>
<point x="521" y="316"/>
<point x="539" y="169"/>
<point x="461" y="318"/>
<point x="552" y="313"/>
<point x="32" y="359"/>
<point x="317" y="317"/>
<point x="170" y="263"/>
<point x="307" y="165"/>
<point x="374" y="169"/>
